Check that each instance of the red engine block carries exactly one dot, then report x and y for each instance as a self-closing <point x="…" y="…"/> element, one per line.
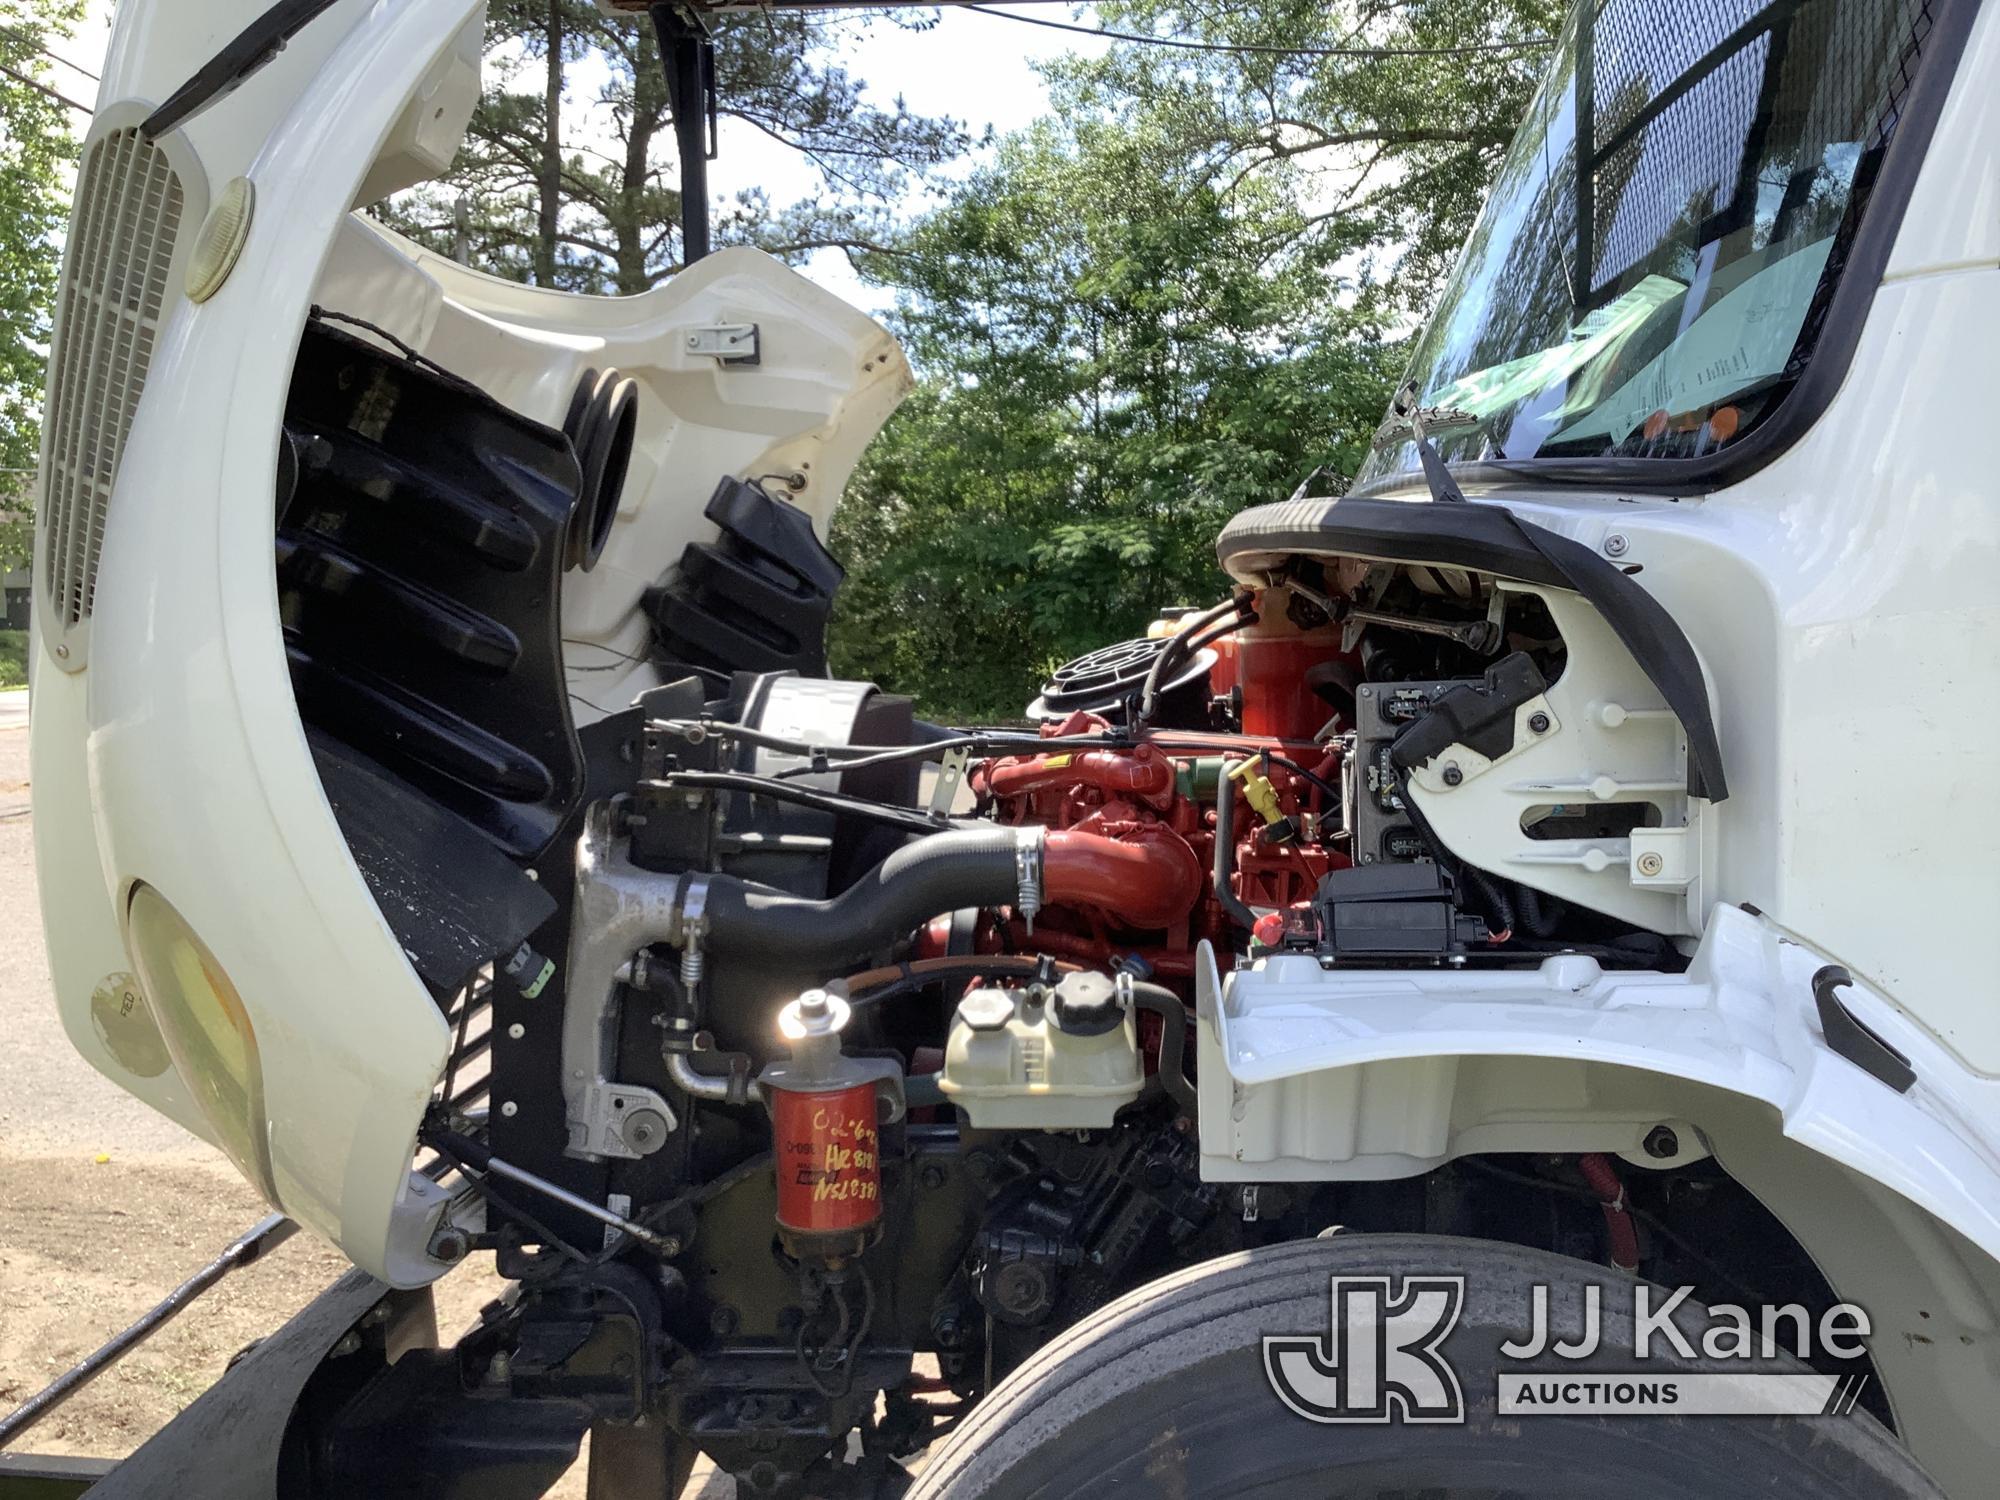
<point x="1131" y="843"/>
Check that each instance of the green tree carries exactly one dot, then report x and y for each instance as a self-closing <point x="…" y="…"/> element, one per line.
<point x="1176" y="298"/>
<point x="547" y="198"/>
<point x="37" y="152"/>
<point x="1116" y="366"/>
<point x="1389" y="117"/>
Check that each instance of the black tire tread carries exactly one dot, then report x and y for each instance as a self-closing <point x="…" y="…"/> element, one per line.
<point x="1044" y="1391"/>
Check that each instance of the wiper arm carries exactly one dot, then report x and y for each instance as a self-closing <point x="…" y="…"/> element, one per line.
<point x="1404" y="409"/>
<point x="1400" y="424"/>
<point x="259" y="42"/>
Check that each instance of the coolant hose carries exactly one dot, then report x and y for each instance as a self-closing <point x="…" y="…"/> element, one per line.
<point x="1225" y="854"/>
<point x="938" y="873"/>
<point x="1173" y="1014"/>
<point x="1150" y="882"/>
<point x="1622" y="1234"/>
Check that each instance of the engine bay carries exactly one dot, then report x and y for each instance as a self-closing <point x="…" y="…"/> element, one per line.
<point x="815" y="1064"/>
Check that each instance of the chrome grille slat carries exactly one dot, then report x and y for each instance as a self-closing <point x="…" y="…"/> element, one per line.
<point x="121" y="244"/>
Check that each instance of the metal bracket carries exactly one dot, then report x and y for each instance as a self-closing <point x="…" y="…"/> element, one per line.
<point x="950" y="772"/>
<point x="730" y="343"/>
<point x="617" y="911"/>
<point x="618" y="1119"/>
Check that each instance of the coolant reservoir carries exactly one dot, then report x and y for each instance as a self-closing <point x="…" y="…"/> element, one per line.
<point x="1015" y="1063"/>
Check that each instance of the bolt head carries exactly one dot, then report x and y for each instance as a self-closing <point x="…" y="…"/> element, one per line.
<point x="1651" y="863"/>
<point x="450" y="1244"/>
<point x="1661" y="1143"/>
<point x="1616" y="545"/>
<point x="1539" y="723"/>
<point x="1453" y="776"/>
<point x="62" y="653"/>
<point x="1021" y="1287"/>
<point x="644" y="1131"/>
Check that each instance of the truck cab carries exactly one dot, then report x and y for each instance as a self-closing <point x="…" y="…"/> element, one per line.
<point x="442" y="804"/>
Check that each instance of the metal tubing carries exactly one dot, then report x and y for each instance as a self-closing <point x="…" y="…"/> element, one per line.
<point x="661" y="1244"/>
<point x="266" y="1235"/>
<point x="700" y="1085"/>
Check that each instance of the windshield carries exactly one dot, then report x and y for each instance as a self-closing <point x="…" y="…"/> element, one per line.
<point x="1659" y="300"/>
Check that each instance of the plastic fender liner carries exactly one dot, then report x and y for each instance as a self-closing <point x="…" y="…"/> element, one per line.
<point x="1487" y="538"/>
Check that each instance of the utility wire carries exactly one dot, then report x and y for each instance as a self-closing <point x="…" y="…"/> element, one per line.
<point x="1527" y="44"/>
<point x="21" y="35"/>
<point x="42" y="88"/>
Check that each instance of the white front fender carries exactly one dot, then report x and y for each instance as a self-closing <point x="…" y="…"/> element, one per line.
<point x="1296" y="1063"/>
<point x="1308" y="1074"/>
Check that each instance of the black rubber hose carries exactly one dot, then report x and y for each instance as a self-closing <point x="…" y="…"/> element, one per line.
<point x="1300" y="771"/>
<point x="1176" y="649"/>
<point x="1216" y="632"/>
<point x="926" y="878"/>
<point x="1173" y="1015"/>
<point x="1225" y="853"/>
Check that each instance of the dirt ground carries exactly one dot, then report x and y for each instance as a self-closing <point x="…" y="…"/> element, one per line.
<point x="105" y="1207"/>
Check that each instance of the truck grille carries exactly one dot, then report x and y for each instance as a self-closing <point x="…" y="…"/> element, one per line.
<point x="122" y="230"/>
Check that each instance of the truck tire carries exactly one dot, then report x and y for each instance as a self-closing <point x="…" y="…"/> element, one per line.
<point x="1164" y="1394"/>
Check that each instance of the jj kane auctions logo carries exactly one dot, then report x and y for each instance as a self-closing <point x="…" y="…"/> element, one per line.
<point x="1382" y="1357"/>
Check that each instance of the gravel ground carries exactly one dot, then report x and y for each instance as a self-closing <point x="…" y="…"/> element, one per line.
<point x="106" y="1206"/>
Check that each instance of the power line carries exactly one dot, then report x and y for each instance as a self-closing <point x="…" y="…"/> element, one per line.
<point x="42" y="88"/>
<point x="33" y="40"/>
<point x="62" y="62"/>
<point x="1527" y="44"/>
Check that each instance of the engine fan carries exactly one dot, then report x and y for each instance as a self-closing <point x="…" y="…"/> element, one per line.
<point x="1106" y="682"/>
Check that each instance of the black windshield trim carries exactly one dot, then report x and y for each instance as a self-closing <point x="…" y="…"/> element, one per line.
<point x="1858" y="280"/>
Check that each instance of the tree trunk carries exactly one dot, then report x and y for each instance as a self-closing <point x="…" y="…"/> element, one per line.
<point x="630" y="230"/>
<point x="549" y="188"/>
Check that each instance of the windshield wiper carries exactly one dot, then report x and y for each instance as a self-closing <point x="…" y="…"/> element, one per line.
<point x="1404" y="411"/>
<point x="259" y="42"/>
<point x="1400" y="424"/>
